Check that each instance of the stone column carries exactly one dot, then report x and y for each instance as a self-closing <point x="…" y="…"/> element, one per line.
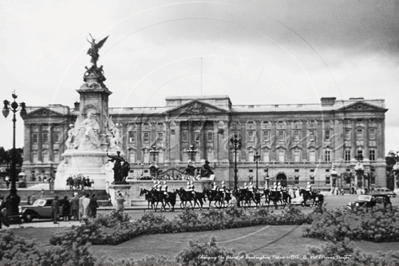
<point x="125" y="137"/>
<point x="288" y="130"/>
<point x="319" y="140"/>
<point x="215" y="141"/>
<point x="338" y="141"/>
<point x="304" y="140"/>
<point x="139" y="154"/>
<point x="244" y="140"/>
<point x="39" y="145"/>
<point x="353" y="140"/>
<point x="50" y="144"/>
<point x="28" y="143"/>
<point x="167" y="142"/>
<point x="380" y="139"/>
<point x="274" y="138"/>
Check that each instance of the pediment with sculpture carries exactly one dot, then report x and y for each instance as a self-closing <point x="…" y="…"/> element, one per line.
<point x="196" y="108"/>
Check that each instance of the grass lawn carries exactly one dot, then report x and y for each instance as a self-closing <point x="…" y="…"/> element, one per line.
<point x="259" y="240"/>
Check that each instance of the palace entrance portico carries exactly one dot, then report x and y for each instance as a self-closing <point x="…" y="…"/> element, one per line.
<point x="282" y="178"/>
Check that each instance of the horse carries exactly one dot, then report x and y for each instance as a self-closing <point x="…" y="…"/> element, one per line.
<point x="247" y="196"/>
<point x="170" y="199"/>
<point x="318" y="199"/>
<point x="286" y="197"/>
<point x="148" y="196"/>
<point x="185" y="196"/>
<point x="275" y="196"/>
<point x="216" y="196"/>
<point x="199" y="196"/>
<point x="305" y="195"/>
<point x="158" y="196"/>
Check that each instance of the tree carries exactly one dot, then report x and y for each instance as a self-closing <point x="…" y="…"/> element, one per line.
<point x="390" y="161"/>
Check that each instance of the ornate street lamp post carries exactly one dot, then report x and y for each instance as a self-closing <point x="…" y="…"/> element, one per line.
<point x="191" y="152"/>
<point x="154" y="152"/>
<point x="267" y="177"/>
<point x="13" y="198"/>
<point x="256" y="159"/>
<point x="334" y="180"/>
<point x="142" y="169"/>
<point x="235" y="142"/>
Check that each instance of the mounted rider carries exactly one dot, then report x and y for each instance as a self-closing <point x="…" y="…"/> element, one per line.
<point x="155" y="185"/>
<point x="245" y="186"/>
<point x="192" y="188"/>
<point x="223" y="189"/>
<point x="280" y="189"/>
<point x="308" y="187"/>
<point x="164" y="188"/>
<point x="215" y="187"/>
<point x="251" y="188"/>
<point x="159" y="186"/>
<point x="274" y="187"/>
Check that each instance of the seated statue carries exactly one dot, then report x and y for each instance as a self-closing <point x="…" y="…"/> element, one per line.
<point x="88" y="134"/>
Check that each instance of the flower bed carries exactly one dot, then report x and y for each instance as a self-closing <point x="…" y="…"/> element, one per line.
<point x="114" y="229"/>
<point x="375" y="225"/>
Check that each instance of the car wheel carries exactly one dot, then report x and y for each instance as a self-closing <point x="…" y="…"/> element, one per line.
<point x="28" y="217"/>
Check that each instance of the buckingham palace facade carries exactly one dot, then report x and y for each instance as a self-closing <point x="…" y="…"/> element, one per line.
<point x="297" y="143"/>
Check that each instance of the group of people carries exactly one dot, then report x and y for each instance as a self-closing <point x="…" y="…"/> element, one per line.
<point x="79" y="182"/>
<point x="78" y="207"/>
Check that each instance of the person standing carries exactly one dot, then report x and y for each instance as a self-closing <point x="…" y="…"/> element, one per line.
<point x="85" y="204"/>
<point x="66" y="209"/>
<point x="7" y="179"/>
<point x="81" y="206"/>
<point x="75" y="207"/>
<point x="120" y="202"/>
<point x="93" y="205"/>
<point x="2" y="206"/>
<point x="55" y="208"/>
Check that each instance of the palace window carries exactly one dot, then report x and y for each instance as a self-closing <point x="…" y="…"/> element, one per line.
<point x="347" y="156"/>
<point x="146" y="137"/>
<point x="296" y="180"/>
<point x="296" y="135"/>
<point x="311" y="179"/>
<point x="347" y="134"/>
<point x="132" y="136"/>
<point x="250" y="156"/>
<point x="266" y="156"/>
<point x="296" y="156"/>
<point x="34" y="138"/>
<point x="56" y="137"/>
<point x="372" y="155"/>
<point x="359" y="153"/>
<point x="327" y="156"/>
<point x="209" y="136"/>
<point x="281" y="156"/>
<point x="327" y="180"/>
<point x="45" y="137"/>
<point x="327" y="134"/>
<point x="197" y="136"/>
<point x="281" y="135"/>
<point x="251" y="135"/>
<point x="312" y="156"/>
<point x="185" y="135"/>
<point x="266" y="135"/>
<point x="371" y="133"/>
<point x="160" y="135"/>
<point x="359" y="134"/>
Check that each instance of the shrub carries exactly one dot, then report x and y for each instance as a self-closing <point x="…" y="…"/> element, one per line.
<point x="15" y="250"/>
<point x="373" y="225"/>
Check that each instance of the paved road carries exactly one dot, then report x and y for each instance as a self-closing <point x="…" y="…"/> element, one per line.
<point x="331" y="203"/>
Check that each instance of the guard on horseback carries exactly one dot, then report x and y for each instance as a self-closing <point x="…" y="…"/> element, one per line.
<point x="280" y="189"/>
<point x="223" y="189"/>
<point x="159" y="186"/>
<point x="164" y="189"/>
<point x="245" y="186"/>
<point x="155" y="185"/>
<point x="215" y="188"/>
<point x="192" y="188"/>
<point x="308" y="187"/>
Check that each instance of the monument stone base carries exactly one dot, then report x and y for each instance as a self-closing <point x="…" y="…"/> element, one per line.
<point x="92" y="164"/>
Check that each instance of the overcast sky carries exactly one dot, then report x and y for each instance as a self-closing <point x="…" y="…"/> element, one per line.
<point x="257" y="52"/>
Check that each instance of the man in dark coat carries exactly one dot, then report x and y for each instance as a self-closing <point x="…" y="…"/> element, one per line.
<point x="75" y="207"/>
<point x="93" y="205"/>
<point x="66" y="209"/>
<point x="55" y="207"/>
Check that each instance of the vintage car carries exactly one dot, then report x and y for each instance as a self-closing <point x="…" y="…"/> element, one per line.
<point x="385" y="191"/>
<point x="40" y="209"/>
<point x="370" y="201"/>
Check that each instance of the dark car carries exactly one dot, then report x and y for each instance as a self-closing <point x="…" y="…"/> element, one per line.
<point x="370" y="201"/>
<point x="385" y="191"/>
<point x="40" y="209"/>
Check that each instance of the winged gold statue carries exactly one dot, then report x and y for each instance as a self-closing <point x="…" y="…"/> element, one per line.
<point x="93" y="50"/>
